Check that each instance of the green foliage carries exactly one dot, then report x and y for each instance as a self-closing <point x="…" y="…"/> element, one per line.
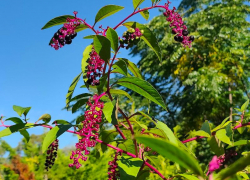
<point x="57" y="21"/>
<point x="21" y="110"/>
<point x="107" y="11"/>
<point x="102" y="47"/>
<point x="113" y="38"/>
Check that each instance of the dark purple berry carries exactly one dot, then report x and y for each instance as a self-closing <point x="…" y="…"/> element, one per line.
<point x="73" y="35"/>
<point x="56" y="35"/>
<point x="69" y="41"/>
<point x="59" y="32"/>
<point x="97" y="83"/>
<point x="178" y="38"/>
<point x="89" y="81"/>
<point x="67" y="37"/>
<point x="173" y="31"/>
<point x="184" y="32"/>
<point x="61" y="40"/>
<point x="191" y="38"/>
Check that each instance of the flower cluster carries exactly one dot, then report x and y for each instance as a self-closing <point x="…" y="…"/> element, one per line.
<point x="95" y="68"/>
<point x="66" y="33"/>
<point x="217" y="162"/>
<point x="89" y="131"/>
<point x="178" y="26"/>
<point x="51" y="154"/>
<point x="113" y="172"/>
<point x="131" y="37"/>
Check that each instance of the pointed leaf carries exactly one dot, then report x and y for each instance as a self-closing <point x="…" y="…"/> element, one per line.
<point x="222" y="135"/>
<point x="189" y="177"/>
<point x="206" y="127"/>
<point x="89" y="37"/>
<point x="112" y="35"/>
<point x="244" y="106"/>
<point x="53" y="134"/>
<point x="120" y="92"/>
<point x="143" y="88"/>
<point x="21" y="110"/>
<point x="72" y="88"/>
<point x="136" y="3"/>
<point x="128" y="146"/>
<point x="107" y="11"/>
<point x="172" y="152"/>
<point x="61" y="122"/>
<point x="216" y="145"/>
<point x="145" y="14"/>
<point x="15" y="120"/>
<point x="102" y="81"/>
<point x="45" y="118"/>
<point x="79" y="104"/>
<point x="147" y="36"/>
<point x="25" y="134"/>
<point x="109" y="111"/>
<point x="81" y="27"/>
<point x="102" y="46"/>
<point x="133" y="68"/>
<point x="142" y="175"/>
<point x="81" y="96"/>
<point x="200" y="133"/>
<point x="57" y="21"/>
<point x="129" y="167"/>
<point x="168" y="132"/>
<point x="12" y="129"/>
<point x="120" y="67"/>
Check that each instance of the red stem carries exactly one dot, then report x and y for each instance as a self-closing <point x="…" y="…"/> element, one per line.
<point x="136" y="13"/>
<point x="91" y="27"/>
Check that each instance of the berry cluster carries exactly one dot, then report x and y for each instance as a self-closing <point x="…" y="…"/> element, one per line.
<point x="113" y="172"/>
<point x="178" y="26"/>
<point x="217" y="162"/>
<point x="66" y="33"/>
<point x="51" y="154"/>
<point x="131" y="37"/>
<point x="89" y="131"/>
<point x="95" y="68"/>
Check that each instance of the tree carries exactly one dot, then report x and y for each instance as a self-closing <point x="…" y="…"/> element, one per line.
<point x="205" y="81"/>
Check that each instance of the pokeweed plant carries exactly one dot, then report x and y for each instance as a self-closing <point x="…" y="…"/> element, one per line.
<point x="136" y="145"/>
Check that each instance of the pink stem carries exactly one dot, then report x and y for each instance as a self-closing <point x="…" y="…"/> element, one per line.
<point x="136" y="13"/>
<point x="155" y="170"/>
<point x="92" y="28"/>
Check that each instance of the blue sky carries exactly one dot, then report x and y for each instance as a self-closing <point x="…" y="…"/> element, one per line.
<point x="34" y="74"/>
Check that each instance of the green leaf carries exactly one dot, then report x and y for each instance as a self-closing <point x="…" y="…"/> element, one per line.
<point x="84" y="65"/>
<point x="107" y="137"/>
<point x="25" y="134"/>
<point x="239" y="143"/>
<point x="206" y="127"/>
<point x="79" y="104"/>
<point x="168" y="132"/>
<point x="109" y="110"/>
<point x="222" y="135"/>
<point x="72" y="88"/>
<point x="142" y="175"/>
<point x="237" y="166"/>
<point x="15" y="120"/>
<point x="53" y="134"/>
<point x="172" y="152"/>
<point x="143" y="88"/>
<point x="12" y="129"/>
<point x="21" y="110"/>
<point x="61" y="122"/>
<point x="45" y="118"/>
<point x="81" y="27"/>
<point x="102" y="81"/>
<point x="136" y="3"/>
<point x="81" y="96"/>
<point x="112" y="35"/>
<point x="216" y="146"/>
<point x="89" y="37"/>
<point x="120" y="67"/>
<point x="189" y="177"/>
<point x="222" y="124"/>
<point x="128" y="146"/>
<point x="147" y="36"/>
<point x="145" y="14"/>
<point x="244" y="106"/>
<point x="133" y="68"/>
<point x="57" y="21"/>
<point x="200" y="133"/>
<point x="107" y="11"/>
<point x="129" y="167"/>
<point x="102" y="46"/>
<point x="120" y="92"/>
